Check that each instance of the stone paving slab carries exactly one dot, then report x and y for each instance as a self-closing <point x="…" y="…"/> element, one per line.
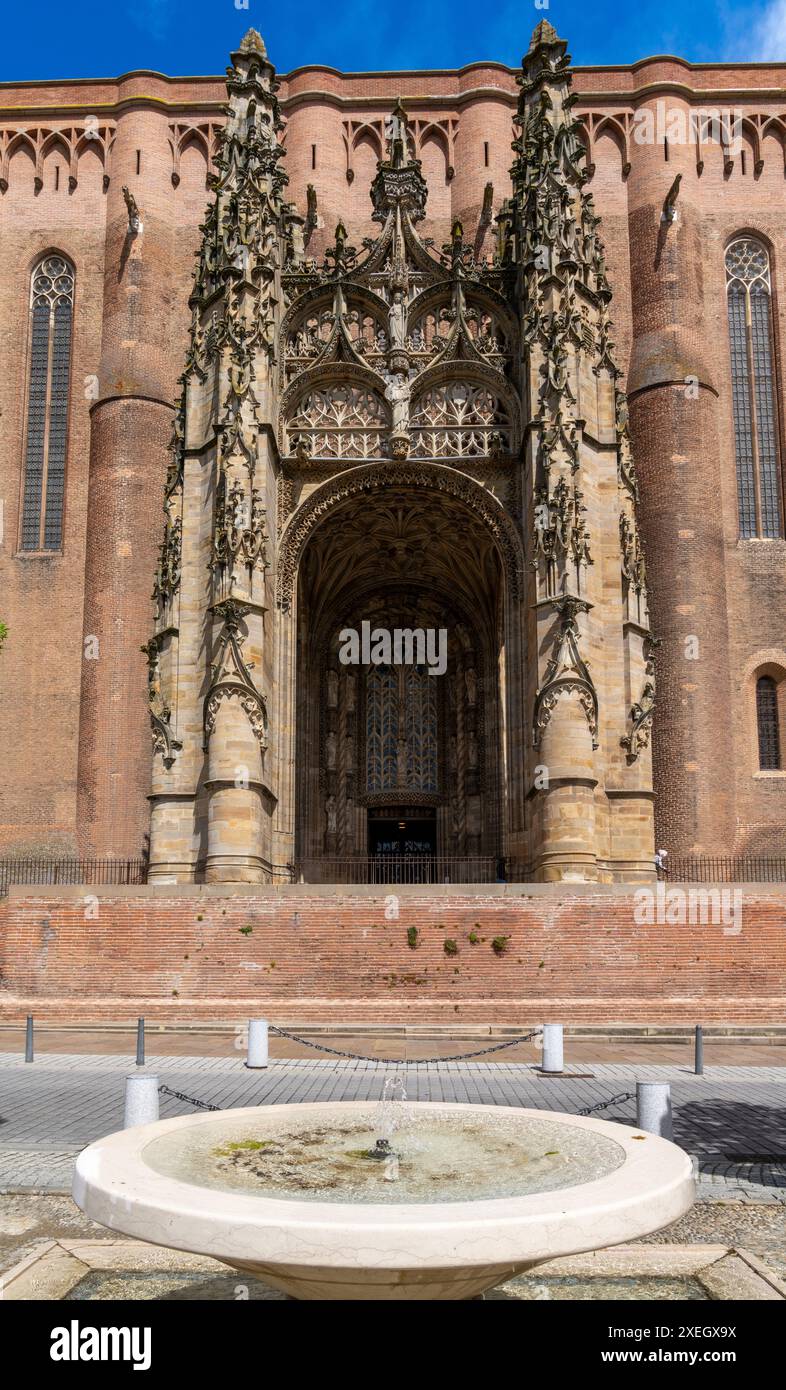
<point x="51" y="1108"/>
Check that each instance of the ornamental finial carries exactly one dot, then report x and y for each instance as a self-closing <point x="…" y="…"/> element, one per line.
<point x="252" y="42"/>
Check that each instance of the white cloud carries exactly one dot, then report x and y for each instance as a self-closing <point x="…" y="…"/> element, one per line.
<point x="770" y="33"/>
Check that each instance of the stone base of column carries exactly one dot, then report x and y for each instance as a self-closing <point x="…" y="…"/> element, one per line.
<point x="239" y="868"/>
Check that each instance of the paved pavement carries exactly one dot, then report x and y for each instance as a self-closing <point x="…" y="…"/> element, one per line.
<point x="165" y="1041"/>
<point x="732" y="1119"/>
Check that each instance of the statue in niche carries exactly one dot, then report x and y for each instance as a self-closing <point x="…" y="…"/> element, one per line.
<point x="330" y="815"/>
<point x="471" y="682"/>
<point x="332" y="689"/>
<point x="397" y="321"/>
<point x="350" y="693"/>
<point x="398" y="393"/>
<point x="330" y="749"/>
<point x="472" y="750"/>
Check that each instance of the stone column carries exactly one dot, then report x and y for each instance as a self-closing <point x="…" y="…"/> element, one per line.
<point x="564" y="840"/>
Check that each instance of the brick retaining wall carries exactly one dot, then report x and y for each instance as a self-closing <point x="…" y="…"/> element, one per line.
<point x="322" y="955"/>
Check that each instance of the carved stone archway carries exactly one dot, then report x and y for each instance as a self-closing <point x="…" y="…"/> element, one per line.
<point x="380" y="477"/>
<point x="411" y="559"/>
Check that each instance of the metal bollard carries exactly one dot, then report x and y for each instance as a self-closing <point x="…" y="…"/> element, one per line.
<point x="140" y="1042"/>
<point x="551" y="1059"/>
<point x="257" y="1043"/>
<point x="653" y="1107"/>
<point x="698" y="1065"/>
<point x="29" y="1039"/>
<point x="141" y="1107"/>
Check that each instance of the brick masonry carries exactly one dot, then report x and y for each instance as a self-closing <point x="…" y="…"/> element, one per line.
<point x="130" y="333"/>
<point x="322" y="955"/>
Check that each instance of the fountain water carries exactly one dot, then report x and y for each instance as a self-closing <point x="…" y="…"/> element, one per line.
<point x="461" y="1198"/>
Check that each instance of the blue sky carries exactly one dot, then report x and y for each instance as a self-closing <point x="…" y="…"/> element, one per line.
<point x="49" y="38"/>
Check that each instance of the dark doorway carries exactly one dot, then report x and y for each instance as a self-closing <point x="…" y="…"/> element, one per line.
<point x="401" y="836"/>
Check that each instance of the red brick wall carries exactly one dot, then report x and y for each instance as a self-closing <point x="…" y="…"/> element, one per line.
<point x="130" y="328"/>
<point x="576" y="957"/>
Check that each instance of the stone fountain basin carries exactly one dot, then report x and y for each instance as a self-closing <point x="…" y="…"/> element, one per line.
<point x="410" y="1250"/>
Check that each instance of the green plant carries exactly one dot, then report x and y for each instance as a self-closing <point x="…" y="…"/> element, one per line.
<point x="245" y="931"/>
<point x="450" y="947"/>
<point x="3" y="633"/>
<point x="500" y="945"/>
<point x="473" y="938"/>
<point x="412" y="938"/>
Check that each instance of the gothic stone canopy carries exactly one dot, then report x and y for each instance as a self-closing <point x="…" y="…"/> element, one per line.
<point x="401" y="432"/>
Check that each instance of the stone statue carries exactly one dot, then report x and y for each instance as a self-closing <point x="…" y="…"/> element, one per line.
<point x="397" y="321"/>
<point x="330" y="813"/>
<point x="398" y="393"/>
<point x="330" y="749"/>
<point x="332" y="689"/>
<point x="471" y="682"/>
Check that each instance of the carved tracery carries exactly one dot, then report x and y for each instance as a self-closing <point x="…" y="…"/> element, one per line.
<point x="376" y="325"/>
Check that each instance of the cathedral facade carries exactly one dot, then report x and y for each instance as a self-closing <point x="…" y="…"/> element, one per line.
<point x="468" y="430"/>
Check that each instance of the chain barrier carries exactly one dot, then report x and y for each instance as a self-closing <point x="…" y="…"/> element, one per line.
<point x="604" y="1104"/>
<point x="403" y="1061"/>
<point x="619" y="1099"/>
<point x="189" y="1100"/>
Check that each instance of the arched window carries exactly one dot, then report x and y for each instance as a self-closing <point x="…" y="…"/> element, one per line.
<point x="51" y="313"/>
<point x="767" y="724"/>
<point x="753" y="389"/>
<point x="401" y="730"/>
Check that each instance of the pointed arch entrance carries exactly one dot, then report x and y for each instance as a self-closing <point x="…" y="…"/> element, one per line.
<point x="400" y="749"/>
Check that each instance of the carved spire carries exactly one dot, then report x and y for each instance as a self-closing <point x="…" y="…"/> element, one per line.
<point x="399" y="184"/>
<point x="252" y="41"/>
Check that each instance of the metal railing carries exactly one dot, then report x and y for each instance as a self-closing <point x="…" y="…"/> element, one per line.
<point x="41" y="871"/>
<point x="723" y="868"/>
<point x="384" y="869"/>
<point x="402" y="868"/>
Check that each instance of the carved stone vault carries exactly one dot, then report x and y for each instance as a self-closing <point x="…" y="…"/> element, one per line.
<point x="408" y="438"/>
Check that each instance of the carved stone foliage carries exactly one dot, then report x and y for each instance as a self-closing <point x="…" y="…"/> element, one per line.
<point x="632" y="553"/>
<point x="240" y="536"/>
<point x="231" y="677"/>
<point x="560" y="539"/>
<point x="164" y="741"/>
<point x="638" y="736"/>
<point x="567" y="673"/>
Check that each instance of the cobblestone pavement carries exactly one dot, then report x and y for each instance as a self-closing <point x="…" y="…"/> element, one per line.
<point x="731" y="1119"/>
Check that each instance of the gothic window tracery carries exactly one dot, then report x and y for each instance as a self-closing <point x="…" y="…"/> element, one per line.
<point x="339" y="421"/>
<point x="51" y="313"/>
<point x="401" y="730"/>
<point x="753" y="391"/>
<point x="461" y="419"/>
<point x="310" y="335"/>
